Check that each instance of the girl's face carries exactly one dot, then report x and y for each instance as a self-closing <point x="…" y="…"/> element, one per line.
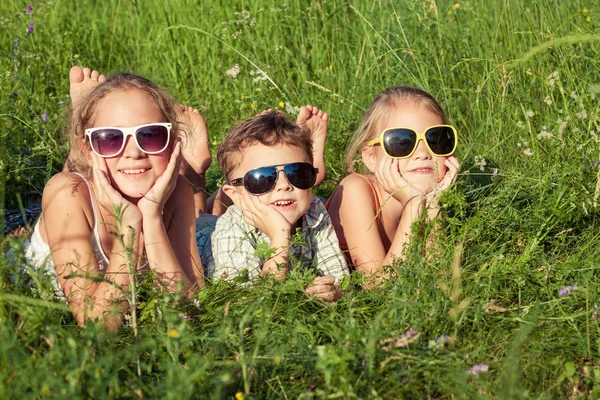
<point x="422" y="169"/>
<point x="132" y="172"/>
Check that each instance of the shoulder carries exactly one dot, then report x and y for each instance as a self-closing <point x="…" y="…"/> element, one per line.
<point x="66" y="190"/>
<point x="232" y="223"/>
<point x="352" y="190"/>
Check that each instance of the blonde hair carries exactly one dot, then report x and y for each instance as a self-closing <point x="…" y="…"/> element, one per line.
<point x="370" y="125"/>
<point x="83" y="116"/>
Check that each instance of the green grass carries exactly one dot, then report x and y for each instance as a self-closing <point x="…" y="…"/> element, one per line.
<point x="524" y="235"/>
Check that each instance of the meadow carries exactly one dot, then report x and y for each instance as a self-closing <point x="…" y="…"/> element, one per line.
<point x="509" y="308"/>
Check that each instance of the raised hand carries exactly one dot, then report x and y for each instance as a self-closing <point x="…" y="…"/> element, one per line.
<point x="107" y="196"/>
<point x="432" y="197"/>
<point x="392" y="182"/>
<point x="153" y="202"/>
<point x="264" y="217"/>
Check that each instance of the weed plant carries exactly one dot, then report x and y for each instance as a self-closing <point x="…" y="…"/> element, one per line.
<point x="509" y="306"/>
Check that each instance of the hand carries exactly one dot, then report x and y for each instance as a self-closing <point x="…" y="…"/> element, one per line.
<point x="264" y="217"/>
<point x="324" y="288"/>
<point x="107" y="196"/>
<point x="432" y="196"/>
<point x="389" y="177"/>
<point x="153" y="202"/>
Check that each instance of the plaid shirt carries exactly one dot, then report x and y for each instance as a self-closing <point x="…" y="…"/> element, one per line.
<point x="231" y="247"/>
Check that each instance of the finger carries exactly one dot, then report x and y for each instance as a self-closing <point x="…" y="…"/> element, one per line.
<point x="325" y="280"/>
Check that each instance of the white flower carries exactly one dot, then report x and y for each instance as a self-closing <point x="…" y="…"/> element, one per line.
<point x="234" y="71"/>
<point x="574" y="95"/>
<point x="544" y="134"/>
<point x="480" y="161"/>
<point x="562" y="127"/>
<point x="529" y="114"/>
<point x="582" y="114"/>
<point x="259" y="76"/>
<point x="236" y="34"/>
<point x="552" y="78"/>
<point x="520" y="124"/>
<point x="528" y="152"/>
<point x="548" y="100"/>
<point x="290" y="109"/>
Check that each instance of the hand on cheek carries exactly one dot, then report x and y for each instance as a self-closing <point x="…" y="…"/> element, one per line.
<point x="264" y="217"/>
<point x="392" y="182"/>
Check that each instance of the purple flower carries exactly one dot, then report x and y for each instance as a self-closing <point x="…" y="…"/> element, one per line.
<point x="410" y="332"/>
<point x="443" y="339"/>
<point x="478" y="369"/>
<point x="29" y="29"/>
<point x="494" y="173"/>
<point x="29" y="9"/>
<point x="45" y="117"/>
<point x="183" y="316"/>
<point x="567" y="290"/>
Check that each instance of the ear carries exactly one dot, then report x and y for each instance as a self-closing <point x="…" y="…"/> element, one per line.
<point x="233" y="194"/>
<point x="369" y="158"/>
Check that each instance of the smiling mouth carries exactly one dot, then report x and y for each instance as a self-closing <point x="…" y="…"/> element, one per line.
<point x="425" y="170"/>
<point x="134" y="171"/>
<point x="283" y="203"/>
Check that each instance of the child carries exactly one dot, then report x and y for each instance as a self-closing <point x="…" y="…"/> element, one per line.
<point x="125" y="204"/>
<point x="267" y="160"/>
<point x="407" y="149"/>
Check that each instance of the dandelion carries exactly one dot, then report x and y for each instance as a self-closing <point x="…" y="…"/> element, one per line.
<point x="567" y="290"/>
<point x="456" y="6"/>
<point x="553" y="78"/>
<point x="29" y="29"/>
<point x="478" y="369"/>
<point x="239" y="396"/>
<point x="588" y="19"/>
<point x="45" y="117"/>
<point x="528" y="152"/>
<point x="234" y="71"/>
<point x="281" y="105"/>
<point x="29" y="9"/>
<point x="173" y="333"/>
<point x="529" y="114"/>
<point x="480" y="161"/>
<point x="548" y="100"/>
<point x="582" y="114"/>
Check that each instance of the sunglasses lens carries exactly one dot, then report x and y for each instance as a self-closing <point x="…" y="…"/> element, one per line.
<point x="399" y="142"/>
<point x="107" y="142"/>
<point x="441" y="140"/>
<point x="260" y="180"/>
<point x="152" y="138"/>
<point x="301" y="175"/>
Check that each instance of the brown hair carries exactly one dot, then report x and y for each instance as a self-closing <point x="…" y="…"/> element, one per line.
<point x="370" y="125"/>
<point x="83" y="116"/>
<point x="269" y="128"/>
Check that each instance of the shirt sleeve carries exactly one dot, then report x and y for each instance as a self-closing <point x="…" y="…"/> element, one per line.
<point x="233" y="248"/>
<point x="328" y="257"/>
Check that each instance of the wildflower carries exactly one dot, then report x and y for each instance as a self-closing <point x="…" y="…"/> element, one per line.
<point x="596" y="311"/>
<point x="410" y="332"/>
<point x="573" y="95"/>
<point x="567" y="290"/>
<point x="443" y="339"/>
<point x="548" y="100"/>
<point x="582" y="114"/>
<point x="15" y="48"/>
<point x="480" y="161"/>
<point x="281" y="104"/>
<point x="290" y="109"/>
<point x="520" y="124"/>
<point x="236" y="34"/>
<point x="253" y="106"/>
<point x="173" y="333"/>
<point x="45" y="117"/>
<point x="528" y="152"/>
<point x="529" y="114"/>
<point x="184" y="316"/>
<point x="29" y="29"/>
<point x="29" y="9"/>
<point x="196" y="303"/>
<point x="478" y="369"/>
<point x="562" y="127"/>
<point x="259" y="76"/>
<point x="456" y="6"/>
<point x="588" y="19"/>
<point x="239" y="396"/>
<point x="553" y="78"/>
<point x="234" y="71"/>
<point x="544" y="134"/>
<point x="494" y="173"/>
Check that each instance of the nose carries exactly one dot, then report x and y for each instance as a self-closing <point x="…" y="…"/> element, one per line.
<point x="132" y="150"/>
<point x="282" y="182"/>
<point x="421" y="152"/>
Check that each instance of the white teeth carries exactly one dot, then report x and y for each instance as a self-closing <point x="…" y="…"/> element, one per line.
<point x="283" y="203"/>
<point x="134" y="171"/>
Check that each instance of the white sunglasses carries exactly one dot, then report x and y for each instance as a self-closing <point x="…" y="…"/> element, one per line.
<point x="149" y="138"/>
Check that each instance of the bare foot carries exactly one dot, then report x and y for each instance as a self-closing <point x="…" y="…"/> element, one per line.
<point x="195" y="151"/>
<point x="82" y="82"/>
<point x="316" y="121"/>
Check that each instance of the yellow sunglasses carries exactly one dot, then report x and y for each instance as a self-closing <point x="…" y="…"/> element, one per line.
<point x="401" y="142"/>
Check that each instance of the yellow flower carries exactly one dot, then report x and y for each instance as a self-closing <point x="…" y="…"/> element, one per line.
<point x="258" y="89"/>
<point x="281" y="104"/>
<point x="253" y="106"/>
<point x="173" y="333"/>
<point x="456" y="6"/>
<point x="587" y="19"/>
<point x="45" y="389"/>
<point x="239" y="396"/>
<point x="585" y="11"/>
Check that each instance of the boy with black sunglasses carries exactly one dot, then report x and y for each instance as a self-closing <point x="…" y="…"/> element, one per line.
<point x="267" y="160"/>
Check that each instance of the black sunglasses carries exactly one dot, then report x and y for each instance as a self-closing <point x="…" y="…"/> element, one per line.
<point x="262" y="180"/>
<point x="401" y="142"/>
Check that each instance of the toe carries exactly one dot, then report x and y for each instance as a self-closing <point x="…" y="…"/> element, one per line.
<point x="86" y="72"/>
<point x="94" y="75"/>
<point x="76" y="74"/>
<point x="101" y="78"/>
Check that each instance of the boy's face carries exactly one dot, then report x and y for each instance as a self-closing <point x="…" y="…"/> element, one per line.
<point x="290" y="201"/>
